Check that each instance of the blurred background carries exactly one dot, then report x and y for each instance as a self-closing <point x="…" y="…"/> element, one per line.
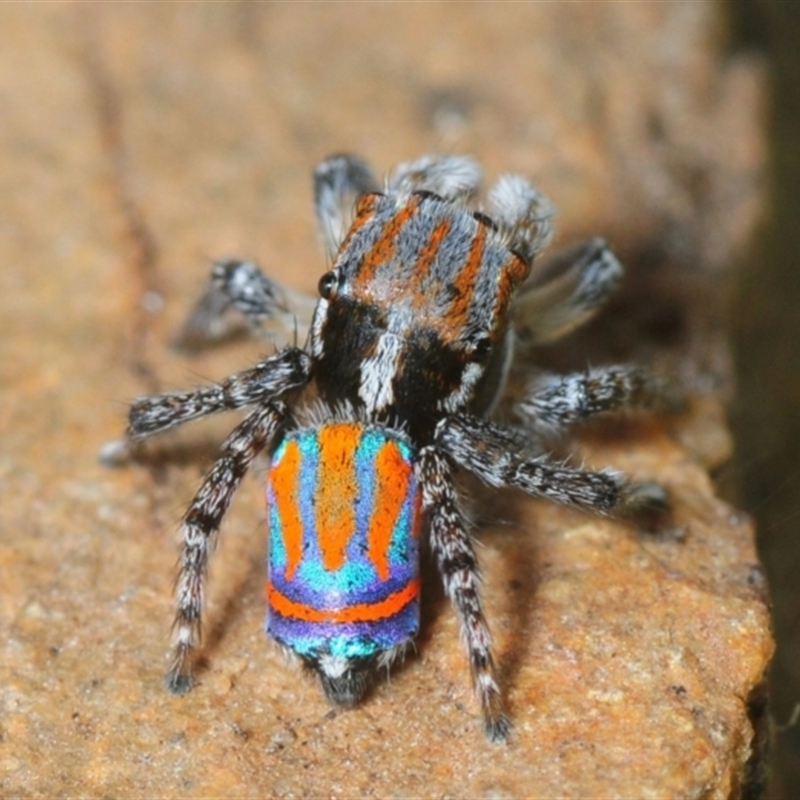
<point x="765" y="324"/>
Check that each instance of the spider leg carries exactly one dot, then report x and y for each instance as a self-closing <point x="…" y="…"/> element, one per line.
<point x="455" y="559"/>
<point x="569" y="290"/>
<point x="284" y="372"/>
<point x="493" y="454"/>
<point x="200" y="526"/>
<point x="243" y="287"/>
<point x="556" y="402"/>
<point x="523" y="215"/>
<point x="453" y="178"/>
<point x="338" y="182"/>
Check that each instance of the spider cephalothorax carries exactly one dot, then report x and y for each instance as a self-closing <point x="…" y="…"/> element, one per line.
<point x="408" y="349"/>
<point x="413" y="308"/>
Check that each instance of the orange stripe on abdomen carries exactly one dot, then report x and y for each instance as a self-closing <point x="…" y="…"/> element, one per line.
<point x="286" y="487"/>
<point x="361" y="612"/>
<point x="336" y="491"/>
<point x="392" y="476"/>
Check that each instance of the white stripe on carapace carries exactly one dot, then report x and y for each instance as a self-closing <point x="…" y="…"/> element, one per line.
<point x="376" y="389"/>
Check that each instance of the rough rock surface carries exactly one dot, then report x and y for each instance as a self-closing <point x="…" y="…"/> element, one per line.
<point x="140" y="140"/>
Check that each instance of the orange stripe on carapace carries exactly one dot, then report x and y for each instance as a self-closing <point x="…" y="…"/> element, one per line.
<point x="428" y="254"/>
<point x="285" y="486"/>
<point x="514" y="271"/>
<point x="464" y="284"/>
<point x="517" y="269"/>
<point x="392" y="476"/>
<point x="364" y="211"/>
<point x="337" y="491"/>
<point x="383" y="249"/>
<point x="360" y="612"/>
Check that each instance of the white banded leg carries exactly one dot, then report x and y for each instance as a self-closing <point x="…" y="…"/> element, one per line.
<point x="493" y="454"/>
<point x="284" y="372"/>
<point x="199" y="530"/>
<point x="557" y="402"/>
<point x="456" y="562"/>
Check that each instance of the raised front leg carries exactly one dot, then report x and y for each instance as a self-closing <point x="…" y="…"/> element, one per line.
<point x="260" y="301"/>
<point x="338" y="183"/>
<point x="455" y="560"/>
<point x="567" y="292"/>
<point x="200" y="525"/>
<point x="453" y="178"/>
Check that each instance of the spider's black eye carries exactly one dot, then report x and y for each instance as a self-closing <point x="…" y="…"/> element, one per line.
<point x="326" y="285"/>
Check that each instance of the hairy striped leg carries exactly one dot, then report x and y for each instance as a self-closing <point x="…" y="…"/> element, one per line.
<point x="338" y="183"/>
<point x="567" y="292"/>
<point x="455" y="559"/>
<point x="523" y="215"/>
<point x="493" y="454"/>
<point x="266" y="306"/>
<point x="557" y="402"/>
<point x="270" y="379"/>
<point x="453" y="178"/>
<point x="275" y="376"/>
<point x="241" y="285"/>
<point x="199" y="531"/>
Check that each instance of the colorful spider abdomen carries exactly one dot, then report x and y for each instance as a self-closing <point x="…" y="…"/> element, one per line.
<point x="343" y="587"/>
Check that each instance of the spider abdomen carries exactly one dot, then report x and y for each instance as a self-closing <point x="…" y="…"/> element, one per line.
<point x="343" y="586"/>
